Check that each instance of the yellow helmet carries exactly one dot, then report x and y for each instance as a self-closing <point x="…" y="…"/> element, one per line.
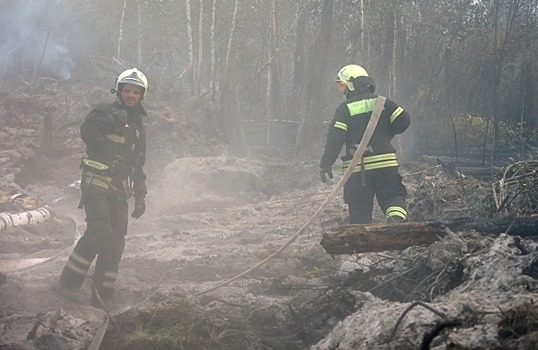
<point x="132" y="76"/>
<point x="354" y="76"/>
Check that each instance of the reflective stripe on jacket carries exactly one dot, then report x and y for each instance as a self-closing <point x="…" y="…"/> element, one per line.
<point x="349" y="124"/>
<point x="116" y="138"/>
<point x="377" y="161"/>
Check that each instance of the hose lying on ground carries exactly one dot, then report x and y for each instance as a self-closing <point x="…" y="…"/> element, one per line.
<point x="380" y="102"/>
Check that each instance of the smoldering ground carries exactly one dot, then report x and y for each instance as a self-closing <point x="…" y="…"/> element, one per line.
<point x="211" y="216"/>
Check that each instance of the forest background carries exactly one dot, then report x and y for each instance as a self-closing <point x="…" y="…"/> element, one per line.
<point x="261" y="72"/>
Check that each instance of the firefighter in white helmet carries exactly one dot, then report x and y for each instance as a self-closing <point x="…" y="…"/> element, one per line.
<point x="112" y="172"/>
<point x="376" y="176"/>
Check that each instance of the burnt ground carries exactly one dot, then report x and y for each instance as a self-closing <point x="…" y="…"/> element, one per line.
<point x="187" y="242"/>
<point x="212" y="215"/>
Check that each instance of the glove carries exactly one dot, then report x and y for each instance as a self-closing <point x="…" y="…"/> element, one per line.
<point x="139" y="208"/>
<point x="120" y="116"/>
<point x="326" y="172"/>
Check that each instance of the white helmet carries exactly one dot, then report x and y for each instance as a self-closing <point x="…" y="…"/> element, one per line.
<point x="134" y="77"/>
<point x="354" y="76"/>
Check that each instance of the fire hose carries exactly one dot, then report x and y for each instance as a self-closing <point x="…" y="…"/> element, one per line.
<point x="31" y="217"/>
<point x="372" y="123"/>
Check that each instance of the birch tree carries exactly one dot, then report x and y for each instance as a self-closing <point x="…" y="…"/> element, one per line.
<point x="139" y="32"/>
<point x="120" y="35"/>
<point x="272" y="73"/>
<point x="230" y="38"/>
<point x="213" y="58"/>
<point x="190" y="44"/>
<point x="199" y="69"/>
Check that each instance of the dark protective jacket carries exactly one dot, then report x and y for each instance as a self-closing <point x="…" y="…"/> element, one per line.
<point x="349" y="124"/>
<point x="117" y="139"/>
<point x="116" y="149"/>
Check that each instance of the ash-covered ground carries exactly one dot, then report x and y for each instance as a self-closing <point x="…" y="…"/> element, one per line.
<point x="212" y="215"/>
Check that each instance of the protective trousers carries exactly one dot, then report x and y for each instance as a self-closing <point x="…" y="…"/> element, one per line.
<point x="385" y="184"/>
<point x="106" y="217"/>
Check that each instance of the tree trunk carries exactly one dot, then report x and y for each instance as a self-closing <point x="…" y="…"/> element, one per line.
<point x="214" y="78"/>
<point x="190" y="43"/>
<point x="294" y="108"/>
<point x="198" y="75"/>
<point x="272" y="101"/>
<point x="527" y="92"/>
<point x="139" y="28"/>
<point x="362" y="29"/>
<point x="393" y="61"/>
<point x="355" y="239"/>
<point x="120" y="35"/>
<point x="312" y="130"/>
<point x="230" y="38"/>
<point x="500" y="51"/>
<point x="299" y="71"/>
<point x="230" y="116"/>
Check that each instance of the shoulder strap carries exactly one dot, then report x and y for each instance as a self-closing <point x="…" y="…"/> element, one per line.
<point x="372" y="123"/>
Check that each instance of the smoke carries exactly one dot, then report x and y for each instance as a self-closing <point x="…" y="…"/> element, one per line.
<point x="29" y="40"/>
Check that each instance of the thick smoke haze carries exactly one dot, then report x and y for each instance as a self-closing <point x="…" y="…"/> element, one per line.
<point x="31" y="41"/>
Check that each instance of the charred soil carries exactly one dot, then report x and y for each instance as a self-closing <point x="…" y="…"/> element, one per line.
<point x="211" y="216"/>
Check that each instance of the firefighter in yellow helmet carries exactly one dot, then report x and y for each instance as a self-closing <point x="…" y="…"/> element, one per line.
<point x="376" y="176"/>
<point x="112" y="172"/>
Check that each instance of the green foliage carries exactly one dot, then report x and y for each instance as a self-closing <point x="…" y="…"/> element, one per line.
<point x="472" y="133"/>
<point x="471" y="129"/>
<point x="516" y="138"/>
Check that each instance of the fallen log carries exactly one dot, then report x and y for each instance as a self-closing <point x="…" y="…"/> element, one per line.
<point x="355" y="239"/>
<point x="454" y="167"/>
<point x="30" y="217"/>
<point x="480" y="172"/>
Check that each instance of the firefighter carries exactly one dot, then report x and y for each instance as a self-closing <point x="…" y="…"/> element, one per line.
<point x="112" y="171"/>
<point x="376" y="176"/>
